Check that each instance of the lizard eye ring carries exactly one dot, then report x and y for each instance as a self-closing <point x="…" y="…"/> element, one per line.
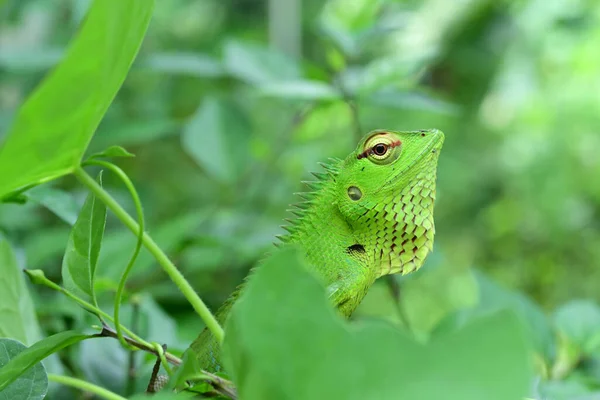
<point x="381" y="148"/>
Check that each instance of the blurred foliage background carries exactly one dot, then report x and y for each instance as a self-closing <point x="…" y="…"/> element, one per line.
<point x="231" y="103"/>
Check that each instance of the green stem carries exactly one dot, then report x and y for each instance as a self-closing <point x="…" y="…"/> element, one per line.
<point x="161" y="354"/>
<point x="85" y="386"/>
<point x="94" y="310"/>
<point x="140" y="236"/>
<point x="211" y="322"/>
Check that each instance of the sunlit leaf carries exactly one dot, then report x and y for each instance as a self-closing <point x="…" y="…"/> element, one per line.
<point x="54" y="126"/>
<point x="31" y="384"/>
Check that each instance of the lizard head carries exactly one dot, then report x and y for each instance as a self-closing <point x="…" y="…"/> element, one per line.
<point x="385" y="191"/>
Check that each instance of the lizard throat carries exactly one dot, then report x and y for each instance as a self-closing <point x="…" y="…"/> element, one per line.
<point x="398" y="237"/>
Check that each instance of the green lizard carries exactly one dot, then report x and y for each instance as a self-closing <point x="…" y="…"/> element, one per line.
<point x="367" y="216"/>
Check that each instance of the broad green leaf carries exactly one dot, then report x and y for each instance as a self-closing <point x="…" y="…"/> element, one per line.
<point x="217" y="138"/>
<point x="430" y="296"/>
<point x="112" y="152"/>
<point x="53" y="128"/>
<point x="31" y="384"/>
<point x="36" y="353"/>
<point x="255" y="64"/>
<point x="284" y="341"/>
<point x="579" y="320"/>
<point x="17" y="313"/>
<point x="58" y="201"/>
<point x="492" y="298"/>
<point x="83" y="248"/>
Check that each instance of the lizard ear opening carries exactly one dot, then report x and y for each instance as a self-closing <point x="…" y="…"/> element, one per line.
<point x="354" y="193"/>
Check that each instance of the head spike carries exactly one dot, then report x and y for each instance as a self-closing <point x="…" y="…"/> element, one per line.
<point x="283" y="238"/>
<point x="297" y="212"/>
<point x="303" y="205"/>
<point x="307" y="196"/>
<point x="290" y="228"/>
<point x="313" y="185"/>
<point x="322" y="176"/>
<point x="332" y="169"/>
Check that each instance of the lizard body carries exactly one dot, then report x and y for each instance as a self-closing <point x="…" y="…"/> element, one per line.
<point x="368" y="215"/>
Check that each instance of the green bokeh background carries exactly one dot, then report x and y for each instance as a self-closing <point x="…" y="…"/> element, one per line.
<point x="230" y="104"/>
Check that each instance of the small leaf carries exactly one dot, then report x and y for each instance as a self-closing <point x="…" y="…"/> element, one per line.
<point x="112" y="152"/>
<point x="17" y="313"/>
<point x="36" y="353"/>
<point x="59" y="202"/>
<point x="29" y="385"/>
<point x="83" y="248"/>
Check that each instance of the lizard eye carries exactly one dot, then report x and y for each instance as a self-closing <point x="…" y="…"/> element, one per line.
<point x="381" y="148"/>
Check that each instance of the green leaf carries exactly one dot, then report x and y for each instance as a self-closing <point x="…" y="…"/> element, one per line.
<point x="256" y="64"/>
<point x="54" y="126"/>
<point x="112" y="152"/>
<point x="217" y="138"/>
<point x="17" y="313"/>
<point x="283" y="340"/>
<point x="58" y="201"/>
<point x="36" y="353"/>
<point x="29" y="385"/>
<point x="579" y="320"/>
<point x="83" y="248"/>
<point x="492" y="298"/>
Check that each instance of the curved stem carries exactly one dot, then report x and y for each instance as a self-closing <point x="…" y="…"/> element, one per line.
<point x="85" y="386"/>
<point x="209" y="319"/>
<point x="138" y="246"/>
<point x="161" y="354"/>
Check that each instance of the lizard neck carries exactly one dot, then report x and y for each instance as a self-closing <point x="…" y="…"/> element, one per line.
<point x="325" y="236"/>
<point x="398" y="235"/>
